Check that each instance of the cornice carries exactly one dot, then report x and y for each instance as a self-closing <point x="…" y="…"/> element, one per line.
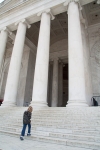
<point x="28" y="9"/>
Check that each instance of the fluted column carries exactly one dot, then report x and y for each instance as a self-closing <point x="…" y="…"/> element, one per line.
<point x="55" y="83"/>
<point x="77" y="95"/>
<point x="3" y="42"/>
<point x="15" y="64"/>
<point x="60" y="83"/>
<point x="39" y="97"/>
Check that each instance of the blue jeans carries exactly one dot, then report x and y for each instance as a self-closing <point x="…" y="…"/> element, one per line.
<point x="24" y="128"/>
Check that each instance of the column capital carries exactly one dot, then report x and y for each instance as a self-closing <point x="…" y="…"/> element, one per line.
<point x="24" y="21"/>
<point x="6" y="29"/>
<point x="48" y="11"/>
<point x="98" y="1"/>
<point x="54" y="59"/>
<point x="66" y="4"/>
<point x="60" y="61"/>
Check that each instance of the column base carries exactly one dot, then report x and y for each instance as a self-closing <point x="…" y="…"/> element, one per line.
<point x="38" y="104"/>
<point x="77" y="103"/>
<point x="8" y="104"/>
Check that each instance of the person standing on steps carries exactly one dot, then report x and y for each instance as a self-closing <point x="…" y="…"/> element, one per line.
<point x="26" y="121"/>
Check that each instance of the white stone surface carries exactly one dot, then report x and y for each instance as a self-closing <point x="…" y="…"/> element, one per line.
<point x="94" y="45"/>
<point x="14" y="69"/>
<point x="6" y="144"/>
<point x="23" y="9"/>
<point x="23" y="77"/>
<point x="76" y="61"/>
<point x="55" y="83"/>
<point x="64" y="127"/>
<point x="3" y="42"/>
<point x="5" y="71"/>
<point x="59" y="46"/>
<point x="39" y="97"/>
<point x="88" y="75"/>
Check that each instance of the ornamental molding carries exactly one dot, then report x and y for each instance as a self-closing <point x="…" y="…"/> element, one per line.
<point x="48" y="11"/>
<point x="24" y="21"/>
<point x="13" y="12"/>
<point x="7" y="30"/>
<point x="66" y="4"/>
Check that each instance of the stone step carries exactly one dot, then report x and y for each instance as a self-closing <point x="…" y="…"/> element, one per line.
<point x="96" y="121"/>
<point x="61" y="126"/>
<point x="83" y="128"/>
<point x="67" y="142"/>
<point x="80" y="132"/>
<point x="54" y="130"/>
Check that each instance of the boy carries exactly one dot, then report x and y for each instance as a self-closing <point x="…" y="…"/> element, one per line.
<point x="26" y="121"/>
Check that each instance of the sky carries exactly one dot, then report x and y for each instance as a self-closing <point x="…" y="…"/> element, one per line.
<point x="1" y="1"/>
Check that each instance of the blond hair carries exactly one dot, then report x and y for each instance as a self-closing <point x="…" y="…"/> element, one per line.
<point x="30" y="108"/>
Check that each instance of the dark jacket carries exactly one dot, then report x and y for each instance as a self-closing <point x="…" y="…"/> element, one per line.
<point x="26" y="117"/>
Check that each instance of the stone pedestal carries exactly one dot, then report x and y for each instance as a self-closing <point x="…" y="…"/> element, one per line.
<point x="77" y="95"/>
<point x="39" y="97"/>
<point x="15" y="64"/>
<point x="55" y="84"/>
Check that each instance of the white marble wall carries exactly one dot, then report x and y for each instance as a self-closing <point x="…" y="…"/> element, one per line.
<point x="94" y="45"/>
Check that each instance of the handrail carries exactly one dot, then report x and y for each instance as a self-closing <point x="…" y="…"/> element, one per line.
<point x="95" y="100"/>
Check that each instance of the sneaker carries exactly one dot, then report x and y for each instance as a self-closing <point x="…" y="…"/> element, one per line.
<point x="21" y="138"/>
<point x="28" y="134"/>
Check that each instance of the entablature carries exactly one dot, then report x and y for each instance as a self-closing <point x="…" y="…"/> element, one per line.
<point x="12" y="11"/>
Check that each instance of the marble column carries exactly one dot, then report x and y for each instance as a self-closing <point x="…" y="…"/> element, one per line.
<point x="55" y="83"/>
<point x="60" y="83"/>
<point x="77" y="96"/>
<point x="39" y="96"/>
<point x="3" y="42"/>
<point x="15" y="65"/>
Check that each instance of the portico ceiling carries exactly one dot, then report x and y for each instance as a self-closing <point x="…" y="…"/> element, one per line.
<point x="59" y="29"/>
<point x="59" y="26"/>
<point x="92" y="13"/>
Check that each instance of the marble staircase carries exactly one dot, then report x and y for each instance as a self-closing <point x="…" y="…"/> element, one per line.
<point x="76" y="126"/>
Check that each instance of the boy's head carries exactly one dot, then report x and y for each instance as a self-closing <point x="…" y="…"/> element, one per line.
<point x="30" y="108"/>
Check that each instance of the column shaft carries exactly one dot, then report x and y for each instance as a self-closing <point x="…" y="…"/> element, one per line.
<point x="3" y="42"/>
<point x="60" y="83"/>
<point x="39" y="97"/>
<point x="14" y="69"/>
<point x="76" y="61"/>
<point x="55" y="84"/>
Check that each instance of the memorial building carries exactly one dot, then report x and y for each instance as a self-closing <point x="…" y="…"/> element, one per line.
<point x="50" y="59"/>
<point x="49" y="52"/>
